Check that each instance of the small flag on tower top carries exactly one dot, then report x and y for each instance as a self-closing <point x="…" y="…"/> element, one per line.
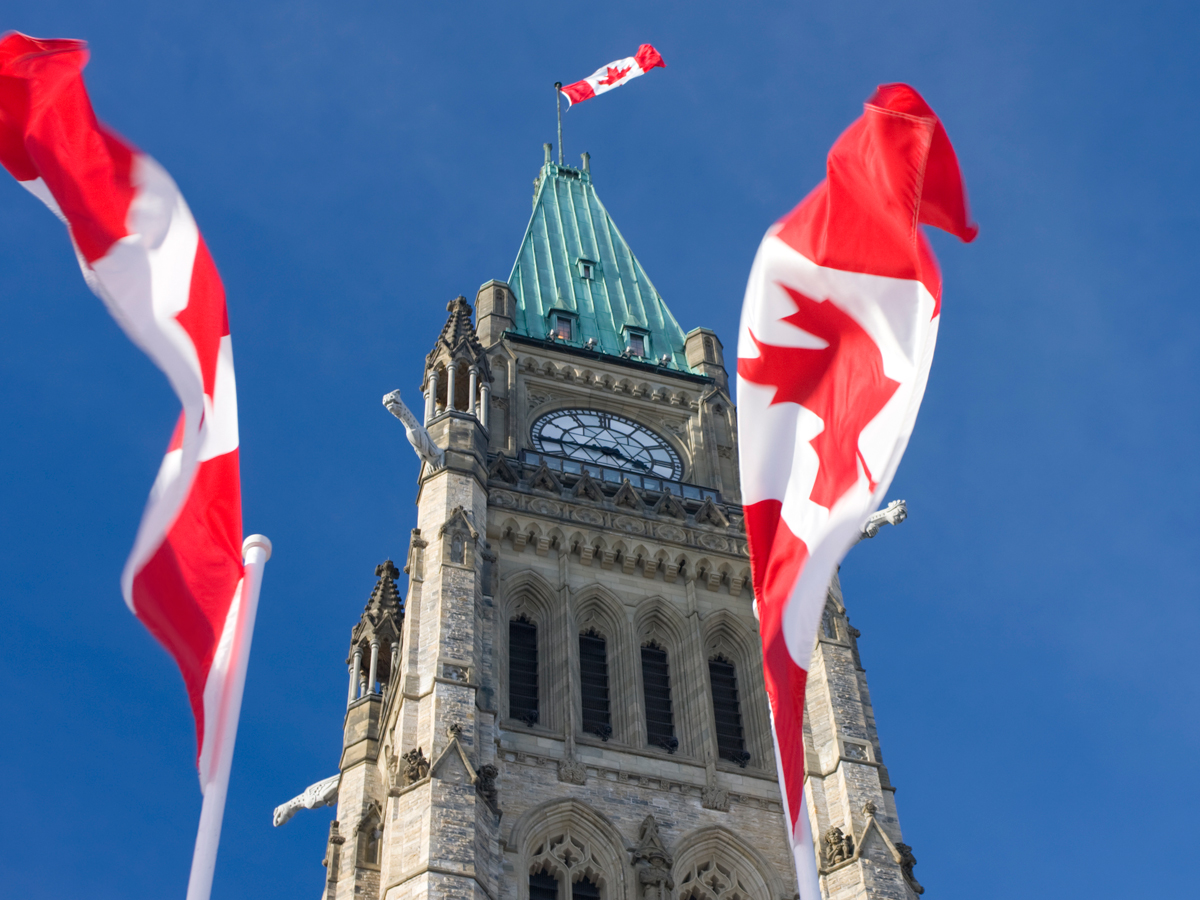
<point x="613" y="75"/>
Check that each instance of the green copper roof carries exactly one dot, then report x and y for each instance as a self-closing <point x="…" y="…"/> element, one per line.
<point x="569" y="231"/>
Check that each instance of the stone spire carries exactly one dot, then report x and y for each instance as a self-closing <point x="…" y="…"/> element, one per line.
<point x="384" y="612"/>
<point x="457" y="339"/>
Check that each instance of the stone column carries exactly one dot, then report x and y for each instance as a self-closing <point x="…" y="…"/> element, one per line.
<point x="374" y="665"/>
<point x="472" y="387"/>
<point x="485" y="403"/>
<point x="451" y="373"/>
<point x="431" y="385"/>
<point x="355" y="668"/>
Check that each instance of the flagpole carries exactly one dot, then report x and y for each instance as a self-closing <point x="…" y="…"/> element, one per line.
<point x="256" y="550"/>
<point x="558" y="109"/>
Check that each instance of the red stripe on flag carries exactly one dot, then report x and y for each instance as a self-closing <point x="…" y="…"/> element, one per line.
<point x="893" y="169"/>
<point x="48" y="129"/>
<point x="578" y="92"/>
<point x="648" y="58"/>
<point x="205" y="318"/>
<point x="183" y="593"/>
<point x="776" y="558"/>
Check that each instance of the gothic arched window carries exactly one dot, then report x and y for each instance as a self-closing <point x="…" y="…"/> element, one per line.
<point x="456" y="549"/>
<point x="523" y="670"/>
<point x="656" y="688"/>
<point x="369" y="834"/>
<point x="593" y="684"/>
<point x="731" y="739"/>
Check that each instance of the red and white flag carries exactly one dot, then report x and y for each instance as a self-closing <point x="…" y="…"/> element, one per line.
<point x="141" y="253"/>
<point x="613" y="75"/>
<point x="837" y="335"/>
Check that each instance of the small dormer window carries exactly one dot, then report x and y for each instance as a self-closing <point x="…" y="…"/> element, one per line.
<point x="637" y="343"/>
<point x="587" y="269"/>
<point x="563" y="328"/>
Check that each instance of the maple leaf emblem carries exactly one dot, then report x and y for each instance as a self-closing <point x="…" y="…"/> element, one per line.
<point x="842" y="383"/>
<point x="614" y="74"/>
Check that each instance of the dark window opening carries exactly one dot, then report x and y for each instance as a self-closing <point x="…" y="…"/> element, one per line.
<point x="656" y="686"/>
<point x="543" y="886"/>
<point x="456" y="549"/>
<point x="522" y="671"/>
<point x="369" y="834"/>
<point x="637" y="344"/>
<point x="585" y="889"/>
<point x="829" y="624"/>
<point x="593" y="684"/>
<point x="710" y="350"/>
<point x="562" y="328"/>
<point x="731" y="741"/>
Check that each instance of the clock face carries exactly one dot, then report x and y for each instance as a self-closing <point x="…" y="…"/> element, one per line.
<point x="610" y="440"/>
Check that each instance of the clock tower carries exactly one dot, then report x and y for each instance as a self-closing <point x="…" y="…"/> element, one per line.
<point x="569" y="703"/>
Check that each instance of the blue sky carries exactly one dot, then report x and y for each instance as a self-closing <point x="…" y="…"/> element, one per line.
<point x="1029" y="634"/>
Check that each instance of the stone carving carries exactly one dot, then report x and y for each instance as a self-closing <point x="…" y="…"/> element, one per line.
<point x="454" y="731"/>
<point x="590" y="516"/>
<point x="713" y="797"/>
<point x="545" y="507"/>
<point x="907" y="861"/>
<point x="485" y="783"/>
<point x="536" y="399"/>
<point x="710" y="514"/>
<point x="839" y="847"/>
<point x="323" y="793"/>
<point x="652" y="863"/>
<point x="671" y="533"/>
<point x="628" y="497"/>
<point x="416" y="767"/>
<point x="572" y="771"/>
<point x="588" y="488"/>
<point x="545" y="480"/>
<point x="869" y="809"/>
<point x="503" y="498"/>
<point x="713" y="542"/>
<point x="502" y="470"/>
<point x="669" y="505"/>
<point x="627" y="523"/>
<point x="892" y="514"/>
<point x="422" y="443"/>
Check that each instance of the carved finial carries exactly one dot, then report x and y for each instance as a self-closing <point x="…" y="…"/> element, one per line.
<point x="869" y="808"/>
<point x="388" y="568"/>
<point x="455" y="730"/>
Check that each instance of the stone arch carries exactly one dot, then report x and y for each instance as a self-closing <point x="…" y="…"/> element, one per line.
<point x="714" y="863"/>
<point x="598" y="608"/>
<point x="547" y="833"/>
<point x="724" y="634"/>
<point x="527" y="593"/>
<point x="660" y="621"/>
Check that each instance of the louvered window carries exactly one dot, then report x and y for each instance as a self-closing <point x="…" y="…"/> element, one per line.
<point x="731" y="742"/>
<point x="585" y="889"/>
<point x="543" y="886"/>
<point x="593" y="684"/>
<point x="656" y="685"/>
<point x="522" y="671"/>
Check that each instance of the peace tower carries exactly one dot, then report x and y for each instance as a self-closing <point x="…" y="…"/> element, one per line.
<point x="569" y="703"/>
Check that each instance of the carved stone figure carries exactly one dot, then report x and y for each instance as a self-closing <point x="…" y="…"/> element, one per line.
<point x="839" y="847"/>
<point x="485" y="783"/>
<point x="907" y="861"/>
<point x="323" y="793"/>
<point x="653" y="863"/>
<point x="572" y="771"/>
<point x="416" y="767"/>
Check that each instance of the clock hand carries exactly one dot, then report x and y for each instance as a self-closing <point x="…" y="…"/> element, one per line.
<point x="607" y="451"/>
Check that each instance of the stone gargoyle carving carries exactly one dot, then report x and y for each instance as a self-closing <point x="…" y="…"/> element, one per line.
<point x="653" y="863"/>
<point x="839" y="847"/>
<point x="323" y="793"/>
<point x="907" y="861"/>
<point x="485" y="783"/>
<point x="415" y="767"/>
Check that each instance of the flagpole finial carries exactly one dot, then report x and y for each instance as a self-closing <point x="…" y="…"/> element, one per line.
<point x="548" y="149"/>
<point x="257" y="540"/>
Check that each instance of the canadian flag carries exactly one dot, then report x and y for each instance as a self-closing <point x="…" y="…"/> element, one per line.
<point x="613" y="75"/>
<point x="141" y="252"/>
<point x="836" y="340"/>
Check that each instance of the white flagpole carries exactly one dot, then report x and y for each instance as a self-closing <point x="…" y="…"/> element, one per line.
<point x="256" y="550"/>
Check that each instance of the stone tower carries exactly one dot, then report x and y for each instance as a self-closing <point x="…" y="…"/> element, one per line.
<point x="569" y="704"/>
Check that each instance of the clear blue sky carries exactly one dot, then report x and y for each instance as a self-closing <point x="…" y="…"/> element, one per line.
<point x="1030" y="634"/>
